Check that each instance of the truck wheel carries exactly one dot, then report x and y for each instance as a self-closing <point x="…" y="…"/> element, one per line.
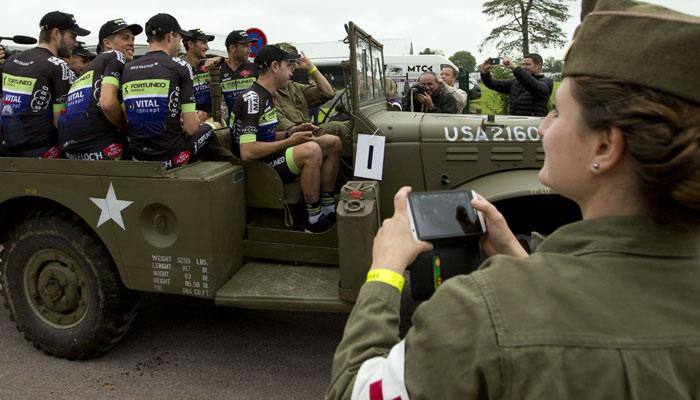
<point x="62" y="287"/>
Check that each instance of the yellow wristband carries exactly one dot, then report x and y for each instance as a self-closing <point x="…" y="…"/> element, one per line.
<point x="313" y="70"/>
<point x="387" y="276"/>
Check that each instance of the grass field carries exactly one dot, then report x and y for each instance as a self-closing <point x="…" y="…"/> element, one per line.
<point x="488" y="103"/>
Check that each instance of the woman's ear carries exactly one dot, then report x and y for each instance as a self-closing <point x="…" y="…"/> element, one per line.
<point x="609" y="149"/>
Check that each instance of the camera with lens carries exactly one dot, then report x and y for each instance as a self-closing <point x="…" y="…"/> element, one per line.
<point x="419" y="88"/>
<point x="448" y="221"/>
<point x="416" y="89"/>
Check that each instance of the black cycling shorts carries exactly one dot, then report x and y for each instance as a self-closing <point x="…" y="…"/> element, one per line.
<point x="40" y="152"/>
<point x="283" y="163"/>
<point x="112" y="151"/>
<point x="195" y="144"/>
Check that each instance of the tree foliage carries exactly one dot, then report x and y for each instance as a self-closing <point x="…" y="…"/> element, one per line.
<point x="464" y="60"/>
<point x="529" y="24"/>
<point x="552" y="65"/>
<point x="428" y="50"/>
<point x="500" y="100"/>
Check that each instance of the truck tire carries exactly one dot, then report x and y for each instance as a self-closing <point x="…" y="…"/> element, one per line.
<point x="62" y="288"/>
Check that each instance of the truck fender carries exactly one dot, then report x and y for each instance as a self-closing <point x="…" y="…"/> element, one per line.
<point x="508" y="184"/>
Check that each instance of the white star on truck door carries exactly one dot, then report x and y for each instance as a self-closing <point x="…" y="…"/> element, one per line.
<point x="111" y="208"/>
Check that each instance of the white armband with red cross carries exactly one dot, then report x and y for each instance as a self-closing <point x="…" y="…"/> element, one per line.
<point x="381" y="378"/>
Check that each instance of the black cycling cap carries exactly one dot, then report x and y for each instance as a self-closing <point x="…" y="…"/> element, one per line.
<point x="271" y="53"/>
<point x="198" y="34"/>
<point x="238" y="36"/>
<point x="62" y="21"/>
<point x="114" y="26"/>
<point x="164" y="23"/>
<point x="83" y="52"/>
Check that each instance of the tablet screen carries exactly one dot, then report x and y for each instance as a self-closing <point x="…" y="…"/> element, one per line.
<point x="437" y="215"/>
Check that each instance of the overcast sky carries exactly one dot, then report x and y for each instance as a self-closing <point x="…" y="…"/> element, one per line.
<point x="448" y="25"/>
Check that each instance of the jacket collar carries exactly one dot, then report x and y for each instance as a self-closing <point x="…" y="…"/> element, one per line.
<point x="630" y="235"/>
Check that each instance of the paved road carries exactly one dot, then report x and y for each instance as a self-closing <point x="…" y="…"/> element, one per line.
<point x="184" y="349"/>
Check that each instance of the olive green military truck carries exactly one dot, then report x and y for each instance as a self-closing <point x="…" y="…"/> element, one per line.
<point x="83" y="238"/>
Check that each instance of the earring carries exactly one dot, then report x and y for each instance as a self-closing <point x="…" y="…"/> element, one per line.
<point x="596" y="165"/>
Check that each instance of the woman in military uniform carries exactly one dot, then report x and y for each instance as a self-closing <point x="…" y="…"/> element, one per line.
<point x="604" y="308"/>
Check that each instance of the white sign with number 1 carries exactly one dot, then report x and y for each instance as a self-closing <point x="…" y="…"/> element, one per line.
<point x="369" y="159"/>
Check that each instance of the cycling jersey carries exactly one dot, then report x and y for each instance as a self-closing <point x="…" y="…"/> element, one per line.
<point x="35" y="84"/>
<point x="233" y="83"/>
<point x="156" y="89"/>
<point x="256" y="121"/>
<point x="84" y="126"/>
<point x="202" y="91"/>
<point x="255" y="116"/>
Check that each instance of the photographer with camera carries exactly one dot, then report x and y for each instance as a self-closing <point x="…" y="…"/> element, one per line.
<point x="605" y="307"/>
<point x="429" y="95"/>
<point x="528" y="92"/>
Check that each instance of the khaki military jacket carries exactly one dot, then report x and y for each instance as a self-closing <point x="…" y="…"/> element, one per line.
<point x="604" y="309"/>
<point x="294" y="102"/>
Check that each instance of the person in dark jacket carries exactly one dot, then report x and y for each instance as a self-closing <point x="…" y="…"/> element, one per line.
<point x="528" y="92"/>
<point x="436" y="98"/>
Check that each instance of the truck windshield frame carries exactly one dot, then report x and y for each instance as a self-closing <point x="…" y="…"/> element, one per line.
<point x="367" y="68"/>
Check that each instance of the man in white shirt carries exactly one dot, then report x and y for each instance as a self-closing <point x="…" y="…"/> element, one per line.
<point x="449" y="75"/>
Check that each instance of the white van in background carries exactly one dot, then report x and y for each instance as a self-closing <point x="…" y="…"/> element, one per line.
<point x="409" y="67"/>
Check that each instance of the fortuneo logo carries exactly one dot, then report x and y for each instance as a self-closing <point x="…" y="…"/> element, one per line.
<point x="20" y="81"/>
<point x="18" y="84"/>
<point x="151" y="87"/>
<point x="83" y="82"/>
<point x="148" y="85"/>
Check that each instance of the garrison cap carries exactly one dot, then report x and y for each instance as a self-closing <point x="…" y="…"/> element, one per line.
<point x="638" y="43"/>
<point x="586" y="7"/>
<point x="288" y="47"/>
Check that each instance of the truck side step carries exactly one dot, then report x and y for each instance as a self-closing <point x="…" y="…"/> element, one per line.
<point x="273" y="286"/>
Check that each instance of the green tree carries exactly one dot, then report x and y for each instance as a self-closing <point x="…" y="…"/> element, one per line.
<point x="552" y="65"/>
<point x="528" y="24"/>
<point x="464" y="60"/>
<point x="428" y="50"/>
<point x="500" y="100"/>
